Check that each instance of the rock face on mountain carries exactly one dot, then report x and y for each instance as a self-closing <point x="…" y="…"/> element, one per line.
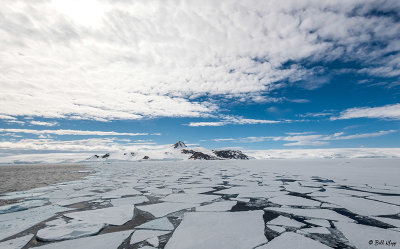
<point x="184" y="151"/>
<point x="179" y="145"/>
<point x="202" y="156"/>
<point x="230" y="154"/>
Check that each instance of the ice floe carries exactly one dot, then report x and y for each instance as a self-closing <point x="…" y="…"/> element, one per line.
<point x="112" y="215"/>
<point x="104" y="241"/>
<point x="361" y="235"/>
<point x="75" y="200"/>
<point x="129" y="200"/>
<point x="21" y="206"/>
<point x="320" y="230"/>
<point x="222" y="230"/>
<point x="293" y="241"/>
<point x="117" y="193"/>
<point x="17" y="243"/>
<point x="140" y="235"/>
<point x="312" y="213"/>
<point x="319" y="222"/>
<point x="284" y="221"/>
<point x="157" y="224"/>
<point x="277" y="229"/>
<point x="393" y="222"/>
<point x="71" y="230"/>
<point x="362" y="206"/>
<point x="289" y="200"/>
<point x="164" y="208"/>
<point x="13" y="223"/>
<point x="389" y="199"/>
<point x="217" y="206"/>
<point x="190" y="198"/>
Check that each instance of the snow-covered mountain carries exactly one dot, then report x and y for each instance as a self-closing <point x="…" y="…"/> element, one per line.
<point x="168" y="153"/>
<point x="178" y="151"/>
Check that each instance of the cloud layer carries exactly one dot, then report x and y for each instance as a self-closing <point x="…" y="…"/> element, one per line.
<point x="381" y="112"/>
<point x="136" y="59"/>
<point x="73" y="132"/>
<point x="306" y="139"/>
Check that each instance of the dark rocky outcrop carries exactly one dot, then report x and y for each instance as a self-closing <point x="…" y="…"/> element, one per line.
<point x="202" y="156"/>
<point x="231" y="154"/>
<point x="146" y="158"/>
<point x="184" y="151"/>
<point x="107" y="155"/>
<point x="132" y="153"/>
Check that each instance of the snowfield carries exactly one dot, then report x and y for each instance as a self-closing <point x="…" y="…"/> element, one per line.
<point x="232" y="204"/>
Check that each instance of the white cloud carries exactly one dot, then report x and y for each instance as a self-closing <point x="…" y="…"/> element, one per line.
<point x="237" y="120"/>
<point x="316" y="115"/>
<point x="299" y="133"/>
<point x="382" y="112"/>
<point x="43" y="123"/>
<point x="82" y="145"/>
<point x="74" y="132"/>
<point x="197" y="124"/>
<point x="223" y="139"/>
<point x="132" y="59"/>
<point x="306" y="139"/>
<point x="15" y="122"/>
<point x="7" y="117"/>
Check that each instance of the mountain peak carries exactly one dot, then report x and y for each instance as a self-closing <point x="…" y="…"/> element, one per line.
<point x="179" y="145"/>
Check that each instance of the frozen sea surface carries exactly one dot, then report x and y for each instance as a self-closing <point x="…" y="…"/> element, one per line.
<point x="331" y="203"/>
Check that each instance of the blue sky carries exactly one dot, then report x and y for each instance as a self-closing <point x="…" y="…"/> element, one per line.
<point x="103" y="76"/>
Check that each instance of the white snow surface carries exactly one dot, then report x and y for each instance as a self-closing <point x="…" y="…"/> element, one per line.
<point x="223" y="230"/>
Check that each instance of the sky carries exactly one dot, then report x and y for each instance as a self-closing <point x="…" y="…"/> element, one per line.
<point x="102" y="75"/>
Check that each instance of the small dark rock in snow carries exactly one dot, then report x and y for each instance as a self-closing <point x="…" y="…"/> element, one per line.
<point x="105" y="155"/>
<point x="146" y="157"/>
